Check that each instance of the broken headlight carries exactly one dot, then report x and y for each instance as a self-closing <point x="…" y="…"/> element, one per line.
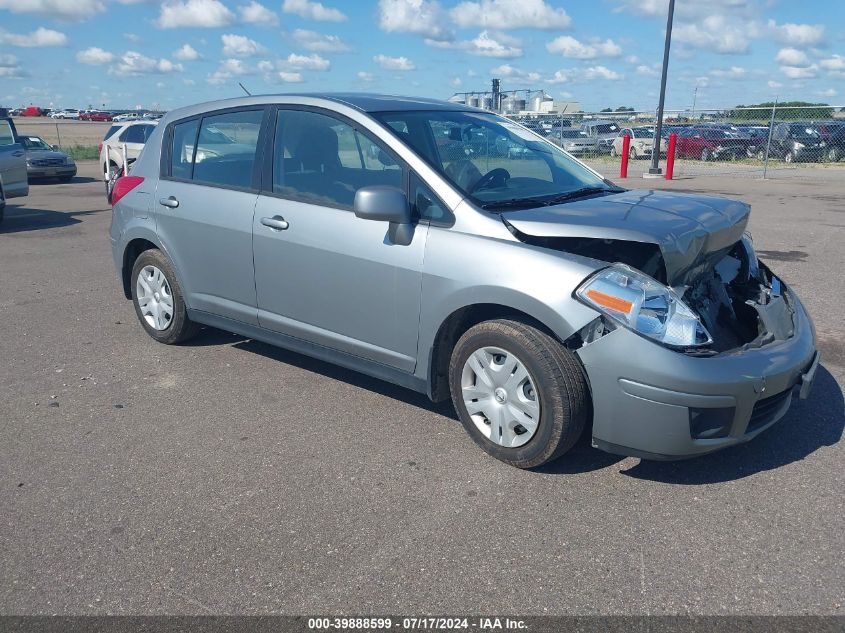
<point x="644" y="305"/>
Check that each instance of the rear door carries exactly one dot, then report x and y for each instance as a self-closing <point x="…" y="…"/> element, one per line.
<point x="13" y="178"/>
<point x="205" y="201"/>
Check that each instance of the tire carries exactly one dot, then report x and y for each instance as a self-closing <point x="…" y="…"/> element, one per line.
<point x="632" y="154"/>
<point x="790" y="157"/>
<point x="179" y="328"/>
<point x="557" y="384"/>
<point x="705" y="154"/>
<point x="2" y="205"/>
<point x="834" y="154"/>
<point x="761" y="156"/>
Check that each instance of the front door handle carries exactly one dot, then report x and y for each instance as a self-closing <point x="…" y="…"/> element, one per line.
<point x="170" y="202"/>
<point x="277" y="223"/>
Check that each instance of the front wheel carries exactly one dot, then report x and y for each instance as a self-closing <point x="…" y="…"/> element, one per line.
<point x="705" y="154"/>
<point x="159" y="303"/>
<point x="519" y="393"/>
<point x="632" y="153"/>
<point x="790" y="157"/>
<point x="834" y="154"/>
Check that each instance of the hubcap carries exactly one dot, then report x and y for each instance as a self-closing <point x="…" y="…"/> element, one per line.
<point x="500" y="397"/>
<point x="154" y="298"/>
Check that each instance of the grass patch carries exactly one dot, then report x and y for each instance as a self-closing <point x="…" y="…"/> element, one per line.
<point x="82" y="152"/>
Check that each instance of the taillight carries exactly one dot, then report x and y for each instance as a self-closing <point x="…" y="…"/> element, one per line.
<point x="100" y="148"/>
<point x="124" y="185"/>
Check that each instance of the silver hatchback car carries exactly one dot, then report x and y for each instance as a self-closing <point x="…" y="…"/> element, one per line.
<point x="392" y="236"/>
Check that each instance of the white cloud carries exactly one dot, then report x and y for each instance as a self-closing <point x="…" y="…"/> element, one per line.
<point x="307" y="62"/>
<point x="256" y="13"/>
<point x="186" y="54"/>
<point x="581" y="75"/>
<point x="39" y="38"/>
<point x="830" y="92"/>
<point x="422" y="17"/>
<point x="600" y="72"/>
<point x="834" y="62"/>
<point x="800" y="72"/>
<point x="456" y="82"/>
<point x="734" y="72"/>
<point x="313" y="11"/>
<point x="194" y="13"/>
<point x="487" y="44"/>
<point x="394" y="63"/>
<point x="568" y="46"/>
<point x="650" y="71"/>
<point x="70" y="10"/>
<point x="133" y="63"/>
<point x="132" y="37"/>
<point x="797" y="34"/>
<point x="515" y="74"/>
<point x="717" y="33"/>
<point x="240" y="46"/>
<point x="94" y="56"/>
<point x="774" y="85"/>
<point x="792" y="57"/>
<point x="365" y="76"/>
<point x="510" y="14"/>
<point x="319" y="42"/>
<point x="9" y="67"/>
<point x="289" y="77"/>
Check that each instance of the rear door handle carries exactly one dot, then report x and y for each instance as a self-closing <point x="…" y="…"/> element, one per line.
<point x="170" y="202"/>
<point x="277" y="223"/>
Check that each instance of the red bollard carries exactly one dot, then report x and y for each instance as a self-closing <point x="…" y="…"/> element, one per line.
<point x="626" y="146"/>
<point x="670" y="156"/>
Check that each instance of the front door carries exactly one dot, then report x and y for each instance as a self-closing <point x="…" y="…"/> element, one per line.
<point x="205" y="204"/>
<point x="13" y="179"/>
<point x="322" y="274"/>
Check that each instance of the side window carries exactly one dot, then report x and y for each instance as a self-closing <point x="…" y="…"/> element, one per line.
<point x="425" y="205"/>
<point x="6" y="136"/>
<point x="111" y="130"/>
<point x="133" y="134"/>
<point x="182" y="154"/>
<point x="322" y="160"/>
<point x="226" y="148"/>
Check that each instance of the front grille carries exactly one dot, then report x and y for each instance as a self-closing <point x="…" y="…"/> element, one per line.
<point x="766" y="409"/>
<point x="47" y="162"/>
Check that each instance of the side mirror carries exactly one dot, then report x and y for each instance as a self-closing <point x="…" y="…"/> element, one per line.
<point x="55" y="147"/>
<point x="386" y="204"/>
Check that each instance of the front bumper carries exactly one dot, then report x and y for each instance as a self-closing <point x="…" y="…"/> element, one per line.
<point x="60" y="171"/>
<point x="648" y="400"/>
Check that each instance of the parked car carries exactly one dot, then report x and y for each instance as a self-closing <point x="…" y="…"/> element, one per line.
<point x="132" y="135"/>
<point x="95" y="115"/>
<point x="13" y="180"/>
<point x="711" y="144"/>
<point x="46" y="161"/>
<point x="833" y="135"/>
<point x="574" y="141"/>
<point x="642" y="142"/>
<point x="31" y="111"/>
<point x="544" y="302"/>
<point x="795" y="142"/>
<point x="15" y="112"/>
<point x="65" y="114"/>
<point x="126" y="116"/>
<point x="603" y="131"/>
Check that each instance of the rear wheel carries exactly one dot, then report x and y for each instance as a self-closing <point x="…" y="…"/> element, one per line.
<point x="706" y="154"/>
<point x="613" y="152"/>
<point x="790" y="157"/>
<point x="2" y="205"/>
<point x="834" y="154"/>
<point x="632" y="153"/>
<point x="159" y="303"/>
<point x="519" y="393"/>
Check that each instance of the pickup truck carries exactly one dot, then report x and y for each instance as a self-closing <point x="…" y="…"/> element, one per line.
<point x="13" y="177"/>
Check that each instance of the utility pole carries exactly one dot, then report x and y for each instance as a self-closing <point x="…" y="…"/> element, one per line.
<point x="694" y="99"/>
<point x="654" y="170"/>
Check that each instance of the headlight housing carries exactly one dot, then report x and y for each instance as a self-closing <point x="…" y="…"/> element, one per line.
<point x="643" y="305"/>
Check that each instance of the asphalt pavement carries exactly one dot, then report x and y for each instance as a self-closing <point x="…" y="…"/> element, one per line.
<point x="227" y="476"/>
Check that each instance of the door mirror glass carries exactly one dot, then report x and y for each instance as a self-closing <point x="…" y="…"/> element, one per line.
<point x="378" y="202"/>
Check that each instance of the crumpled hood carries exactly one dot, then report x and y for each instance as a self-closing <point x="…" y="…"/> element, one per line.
<point x="685" y="227"/>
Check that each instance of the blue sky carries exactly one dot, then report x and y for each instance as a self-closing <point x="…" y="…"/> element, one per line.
<point x="128" y="53"/>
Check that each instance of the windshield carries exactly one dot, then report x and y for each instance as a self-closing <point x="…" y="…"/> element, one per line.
<point x="490" y="159"/>
<point x="643" y="132"/>
<point x="572" y="134"/>
<point x="34" y="142"/>
<point x="804" y="130"/>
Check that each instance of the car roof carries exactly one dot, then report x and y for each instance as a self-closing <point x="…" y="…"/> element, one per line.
<point x="365" y="102"/>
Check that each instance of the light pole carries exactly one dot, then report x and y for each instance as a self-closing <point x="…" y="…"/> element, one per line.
<point x="655" y="155"/>
<point x="694" y="99"/>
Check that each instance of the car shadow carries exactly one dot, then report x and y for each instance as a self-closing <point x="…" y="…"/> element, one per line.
<point x="20" y="219"/>
<point x="810" y="425"/>
<point x="213" y="336"/>
<point x="56" y="181"/>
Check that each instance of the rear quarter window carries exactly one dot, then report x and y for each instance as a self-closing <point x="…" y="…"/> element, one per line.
<point x="111" y="131"/>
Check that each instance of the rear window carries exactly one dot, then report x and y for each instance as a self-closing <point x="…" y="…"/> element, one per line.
<point x="111" y="130"/>
<point x="136" y="134"/>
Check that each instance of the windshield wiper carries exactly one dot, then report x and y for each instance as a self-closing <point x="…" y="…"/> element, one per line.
<point x="581" y="193"/>
<point x="515" y="203"/>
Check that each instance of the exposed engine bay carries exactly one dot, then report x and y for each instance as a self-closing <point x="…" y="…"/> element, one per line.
<point x="738" y="299"/>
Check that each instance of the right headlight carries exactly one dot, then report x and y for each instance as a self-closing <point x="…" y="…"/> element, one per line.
<point x="643" y="305"/>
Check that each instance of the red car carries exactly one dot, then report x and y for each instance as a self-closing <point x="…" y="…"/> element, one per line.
<point x="95" y="115"/>
<point x="711" y="144"/>
<point x="31" y="111"/>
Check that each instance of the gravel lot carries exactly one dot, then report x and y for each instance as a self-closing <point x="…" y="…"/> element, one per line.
<point x="229" y="476"/>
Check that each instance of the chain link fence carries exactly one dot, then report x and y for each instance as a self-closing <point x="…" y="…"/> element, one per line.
<point x="758" y="142"/>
